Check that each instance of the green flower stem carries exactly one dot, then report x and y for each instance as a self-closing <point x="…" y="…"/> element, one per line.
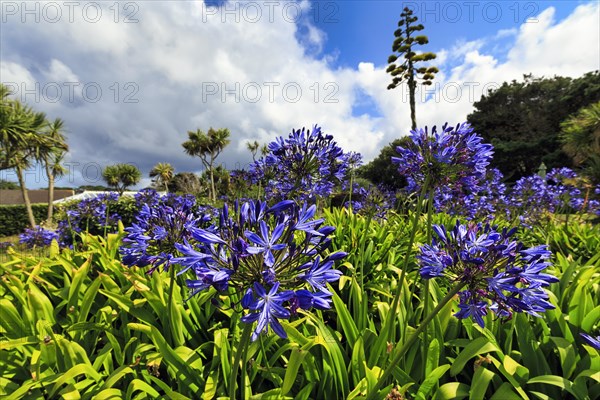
<point x="411" y="241"/>
<point x="426" y="293"/>
<point x="412" y="339"/>
<point x="351" y="190"/>
<point x="170" y="304"/>
<point x="241" y="351"/>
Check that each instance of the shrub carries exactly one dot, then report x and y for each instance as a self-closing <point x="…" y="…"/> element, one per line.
<point x="13" y="218"/>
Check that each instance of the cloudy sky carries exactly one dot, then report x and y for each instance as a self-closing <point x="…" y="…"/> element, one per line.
<point x="131" y="78"/>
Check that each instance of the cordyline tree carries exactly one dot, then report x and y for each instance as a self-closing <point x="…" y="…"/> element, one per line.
<point x="26" y="137"/>
<point x="162" y="173"/>
<point x="207" y="146"/>
<point x="253" y="147"/>
<point x="53" y="158"/>
<point x="121" y="176"/>
<point x="407" y="70"/>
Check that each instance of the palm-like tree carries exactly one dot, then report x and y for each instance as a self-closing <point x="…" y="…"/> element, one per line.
<point x="264" y="150"/>
<point x="52" y="158"/>
<point x="163" y="173"/>
<point x="22" y="140"/>
<point x="253" y="147"/>
<point x="20" y="126"/>
<point x="121" y="176"/>
<point x="207" y="146"/>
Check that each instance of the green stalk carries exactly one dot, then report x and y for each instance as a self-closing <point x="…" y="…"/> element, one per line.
<point x="241" y="351"/>
<point x="426" y="293"/>
<point x="411" y="241"/>
<point x="351" y="190"/>
<point x="170" y="304"/>
<point x="411" y="340"/>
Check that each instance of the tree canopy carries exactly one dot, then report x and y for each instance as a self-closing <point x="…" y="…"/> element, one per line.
<point x="207" y="146"/>
<point x="381" y="171"/>
<point x="523" y="120"/>
<point x="121" y="176"/>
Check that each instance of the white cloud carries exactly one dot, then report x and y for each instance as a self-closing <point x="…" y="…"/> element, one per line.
<point x="184" y="66"/>
<point x="59" y="72"/>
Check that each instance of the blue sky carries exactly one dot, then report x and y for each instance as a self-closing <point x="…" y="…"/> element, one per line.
<point x="361" y="30"/>
<point x="131" y="78"/>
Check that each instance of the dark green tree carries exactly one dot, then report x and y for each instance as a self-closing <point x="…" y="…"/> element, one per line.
<point x="186" y="182"/>
<point x="523" y="120"/>
<point x="381" y="171"/>
<point x="407" y="70"/>
<point x="121" y="176"/>
<point x="8" y="185"/>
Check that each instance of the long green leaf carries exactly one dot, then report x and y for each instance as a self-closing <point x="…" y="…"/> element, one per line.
<point x="478" y="346"/>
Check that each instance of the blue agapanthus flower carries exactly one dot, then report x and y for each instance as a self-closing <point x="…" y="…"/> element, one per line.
<point x="305" y="165"/>
<point x="95" y="215"/>
<point x="486" y="201"/>
<point x="38" y="237"/>
<point x="373" y="201"/>
<point x="591" y="340"/>
<point x="499" y="274"/>
<point x="562" y="191"/>
<point x="454" y="157"/>
<point x="168" y="220"/>
<point x="273" y="257"/>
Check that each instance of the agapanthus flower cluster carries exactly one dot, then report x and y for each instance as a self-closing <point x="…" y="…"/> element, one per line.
<point x="499" y="274"/>
<point x="533" y="196"/>
<point x="569" y="192"/>
<point x="306" y="165"/>
<point x="455" y="157"/>
<point x="159" y="225"/>
<point x="273" y="258"/>
<point x="94" y="215"/>
<point x="487" y="201"/>
<point x="149" y="197"/>
<point x="38" y="237"/>
<point x="371" y="201"/>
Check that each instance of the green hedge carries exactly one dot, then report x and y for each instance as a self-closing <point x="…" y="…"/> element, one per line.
<point x="13" y="218"/>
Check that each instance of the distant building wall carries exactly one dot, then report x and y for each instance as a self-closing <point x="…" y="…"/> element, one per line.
<point x="35" y="196"/>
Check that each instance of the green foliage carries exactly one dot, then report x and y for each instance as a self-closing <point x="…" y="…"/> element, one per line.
<point x="187" y="182"/>
<point x="81" y="325"/>
<point x="581" y="139"/>
<point x="9" y="185"/>
<point x="523" y="120"/>
<point x="121" y="176"/>
<point x="13" y="218"/>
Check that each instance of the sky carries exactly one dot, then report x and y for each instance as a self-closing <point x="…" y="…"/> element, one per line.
<point x="131" y="78"/>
